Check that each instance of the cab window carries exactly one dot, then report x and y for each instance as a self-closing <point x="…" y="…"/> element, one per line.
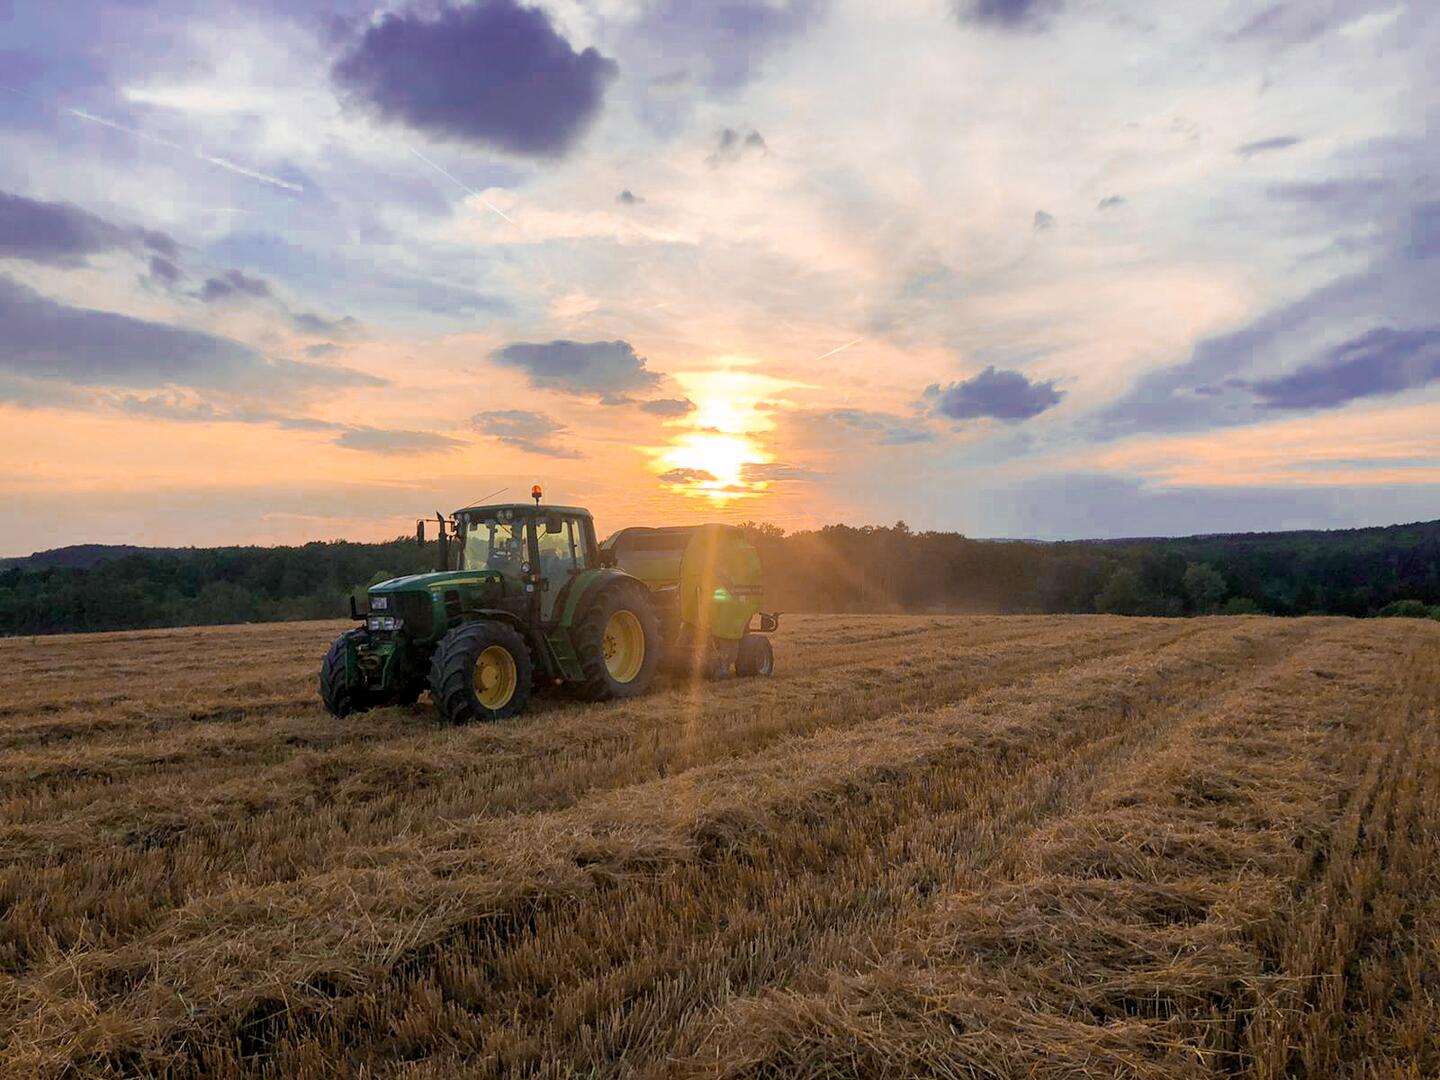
<point x="565" y="551"/>
<point x="494" y="545"/>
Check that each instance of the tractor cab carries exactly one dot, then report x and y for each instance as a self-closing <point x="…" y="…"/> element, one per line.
<point x="540" y="547"/>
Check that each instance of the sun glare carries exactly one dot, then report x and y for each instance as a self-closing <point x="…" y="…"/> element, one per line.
<point x="712" y="464"/>
<point x="709" y="453"/>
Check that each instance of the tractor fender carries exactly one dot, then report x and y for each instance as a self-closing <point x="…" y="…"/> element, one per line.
<point x="587" y="585"/>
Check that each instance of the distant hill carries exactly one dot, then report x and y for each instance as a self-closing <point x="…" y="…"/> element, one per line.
<point x="80" y="556"/>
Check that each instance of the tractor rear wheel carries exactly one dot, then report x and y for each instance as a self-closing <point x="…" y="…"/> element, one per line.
<point x="618" y="642"/>
<point x="754" y="656"/>
<point x="481" y="671"/>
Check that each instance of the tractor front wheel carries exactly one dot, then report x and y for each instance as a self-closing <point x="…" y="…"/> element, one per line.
<point x="480" y="671"/>
<point x="618" y="641"/>
<point x="754" y="656"/>
<point x="341" y="696"/>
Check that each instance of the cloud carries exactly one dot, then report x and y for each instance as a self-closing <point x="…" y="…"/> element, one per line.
<point x="1282" y="25"/>
<point x="629" y="198"/>
<point x="307" y="322"/>
<point x="1043" y="221"/>
<point x="669" y="408"/>
<point x="232" y="284"/>
<point x="686" y="476"/>
<point x="1382" y="361"/>
<point x="1423" y="237"/>
<point x="62" y="234"/>
<point x="47" y="339"/>
<point x="887" y="430"/>
<point x="396" y="441"/>
<point x="719" y="45"/>
<point x="1007" y="14"/>
<point x="165" y="271"/>
<point x="1088" y="504"/>
<point x="754" y="472"/>
<point x="1003" y="395"/>
<point x="1110" y="202"/>
<point x="324" y="348"/>
<point x="607" y="368"/>
<point x="730" y="146"/>
<point x="529" y="431"/>
<point x="491" y="74"/>
<point x="1265" y="146"/>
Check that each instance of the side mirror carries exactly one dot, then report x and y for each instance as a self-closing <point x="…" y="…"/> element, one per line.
<point x="553" y="523"/>
<point x="420" y="532"/>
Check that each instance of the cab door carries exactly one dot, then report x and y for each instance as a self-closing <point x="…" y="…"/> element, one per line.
<point x="565" y="550"/>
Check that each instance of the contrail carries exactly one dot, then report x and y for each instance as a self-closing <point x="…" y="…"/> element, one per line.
<point x="462" y="183"/>
<point x="210" y="158"/>
<point x="840" y="348"/>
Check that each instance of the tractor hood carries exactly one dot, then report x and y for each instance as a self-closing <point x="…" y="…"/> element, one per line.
<point x="437" y="580"/>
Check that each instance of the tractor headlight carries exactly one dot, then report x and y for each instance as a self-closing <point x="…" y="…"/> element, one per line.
<point x="379" y="603"/>
<point x="384" y="622"/>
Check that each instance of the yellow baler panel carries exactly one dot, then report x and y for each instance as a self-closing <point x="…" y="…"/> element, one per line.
<point x="719" y="582"/>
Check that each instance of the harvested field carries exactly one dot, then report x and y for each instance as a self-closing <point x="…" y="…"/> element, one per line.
<point x="930" y="846"/>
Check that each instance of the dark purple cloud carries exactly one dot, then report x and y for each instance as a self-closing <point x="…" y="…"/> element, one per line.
<point x="1008" y="14"/>
<point x="1110" y="202"/>
<point x="62" y="234"/>
<point x="1002" y="395"/>
<point x="232" y="284"/>
<point x="610" y="369"/>
<point x="629" y="198"/>
<point x="489" y="74"/>
<point x="1043" y="221"/>
<point x="1265" y="146"/>
<point x="669" y="408"/>
<point x="533" y="432"/>
<point x="1383" y="361"/>
<point x="47" y="339"/>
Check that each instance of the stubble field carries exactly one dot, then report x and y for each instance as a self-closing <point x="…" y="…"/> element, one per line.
<point x="930" y="846"/>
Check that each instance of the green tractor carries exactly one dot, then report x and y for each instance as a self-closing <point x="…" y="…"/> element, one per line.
<point x="525" y="598"/>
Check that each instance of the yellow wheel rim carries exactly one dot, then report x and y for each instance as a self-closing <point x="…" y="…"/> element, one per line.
<point x="623" y="646"/>
<point x="495" y="678"/>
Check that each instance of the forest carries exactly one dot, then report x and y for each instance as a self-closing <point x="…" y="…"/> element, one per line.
<point x="1391" y="570"/>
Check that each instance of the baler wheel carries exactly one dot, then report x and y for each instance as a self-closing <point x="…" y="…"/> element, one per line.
<point x="754" y="656"/>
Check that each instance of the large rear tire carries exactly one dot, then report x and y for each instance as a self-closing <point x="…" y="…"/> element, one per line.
<point x="618" y="642"/>
<point x="481" y="671"/>
<point x="754" y="656"/>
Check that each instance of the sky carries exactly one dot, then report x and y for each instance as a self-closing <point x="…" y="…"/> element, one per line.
<point x="283" y="270"/>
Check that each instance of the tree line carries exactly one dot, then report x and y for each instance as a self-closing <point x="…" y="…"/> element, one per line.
<point x="1393" y="570"/>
